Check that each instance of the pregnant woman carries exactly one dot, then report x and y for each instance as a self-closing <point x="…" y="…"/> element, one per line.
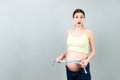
<point x="79" y="41"/>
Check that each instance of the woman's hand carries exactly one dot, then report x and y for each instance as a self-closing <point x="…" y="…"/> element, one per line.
<point x="58" y="59"/>
<point x="61" y="57"/>
<point x="84" y="63"/>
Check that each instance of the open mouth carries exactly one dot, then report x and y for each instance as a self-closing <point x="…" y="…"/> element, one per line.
<point x="78" y="22"/>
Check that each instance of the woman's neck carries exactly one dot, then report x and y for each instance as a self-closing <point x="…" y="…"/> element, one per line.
<point x="80" y="27"/>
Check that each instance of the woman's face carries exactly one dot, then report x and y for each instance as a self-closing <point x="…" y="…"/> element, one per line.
<point x="79" y="19"/>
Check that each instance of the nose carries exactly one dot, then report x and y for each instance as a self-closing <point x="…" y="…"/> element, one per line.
<point x="79" y="18"/>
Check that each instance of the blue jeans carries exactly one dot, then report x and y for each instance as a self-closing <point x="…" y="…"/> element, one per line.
<point x="78" y="75"/>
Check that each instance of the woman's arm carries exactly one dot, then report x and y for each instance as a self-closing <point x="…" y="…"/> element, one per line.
<point x="92" y="49"/>
<point x="62" y="56"/>
<point x="92" y="46"/>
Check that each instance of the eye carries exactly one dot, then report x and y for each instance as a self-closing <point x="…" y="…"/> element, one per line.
<point x="76" y="16"/>
<point x="81" y="17"/>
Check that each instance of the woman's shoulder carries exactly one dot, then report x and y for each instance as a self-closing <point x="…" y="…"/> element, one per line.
<point x="69" y="30"/>
<point x="89" y="31"/>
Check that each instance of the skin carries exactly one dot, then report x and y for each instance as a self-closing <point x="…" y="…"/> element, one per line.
<point x="77" y="31"/>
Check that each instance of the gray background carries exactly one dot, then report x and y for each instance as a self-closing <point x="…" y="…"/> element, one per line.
<point x="33" y="34"/>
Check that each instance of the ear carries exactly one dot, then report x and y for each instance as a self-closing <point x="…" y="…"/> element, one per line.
<point x="74" y="20"/>
<point x="84" y="20"/>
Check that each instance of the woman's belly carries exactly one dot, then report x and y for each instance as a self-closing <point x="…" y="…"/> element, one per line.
<point x="72" y="55"/>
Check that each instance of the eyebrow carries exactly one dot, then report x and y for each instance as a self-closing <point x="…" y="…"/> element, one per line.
<point x="80" y="15"/>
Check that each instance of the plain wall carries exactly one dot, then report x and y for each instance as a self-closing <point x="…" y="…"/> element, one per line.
<point x="33" y="34"/>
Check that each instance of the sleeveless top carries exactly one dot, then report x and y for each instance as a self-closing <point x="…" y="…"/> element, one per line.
<point x="78" y="43"/>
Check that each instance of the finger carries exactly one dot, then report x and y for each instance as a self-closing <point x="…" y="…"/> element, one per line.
<point x="59" y="61"/>
<point x="83" y="65"/>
